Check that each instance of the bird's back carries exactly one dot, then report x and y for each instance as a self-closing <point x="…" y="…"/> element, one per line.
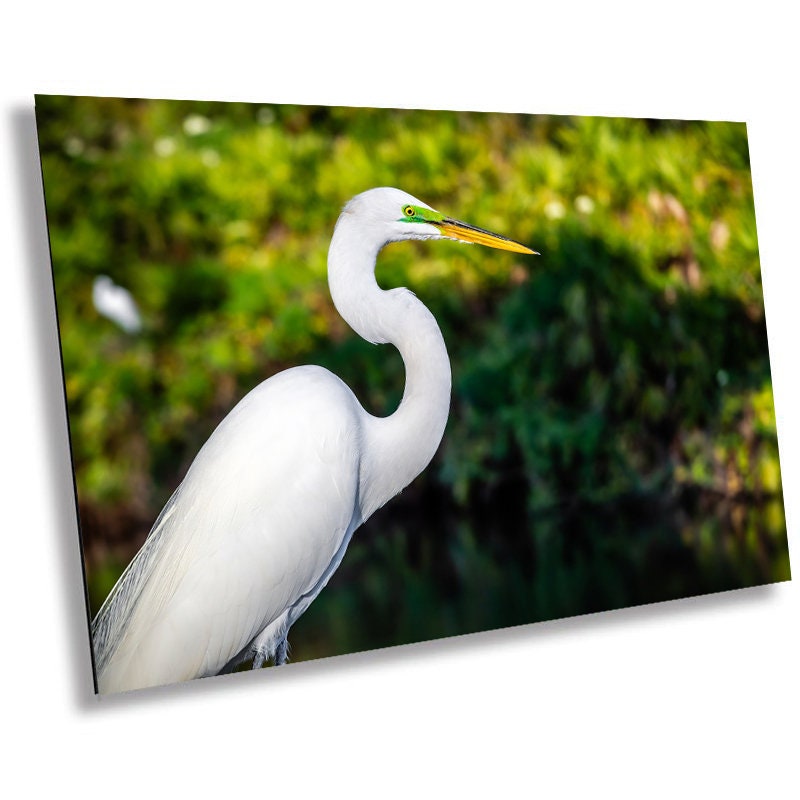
<point x="263" y="510"/>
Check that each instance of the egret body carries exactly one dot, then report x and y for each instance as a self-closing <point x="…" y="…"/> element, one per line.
<point x="264" y="514"/>
<point x="116" y="304"/>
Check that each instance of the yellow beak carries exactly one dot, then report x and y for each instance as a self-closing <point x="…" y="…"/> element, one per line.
<point x="454" y="229"/>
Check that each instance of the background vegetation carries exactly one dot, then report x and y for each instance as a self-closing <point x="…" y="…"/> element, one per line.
<point x="612" y="435"/>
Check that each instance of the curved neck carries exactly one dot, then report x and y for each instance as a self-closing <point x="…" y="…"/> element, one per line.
<point x="400" y="446"/>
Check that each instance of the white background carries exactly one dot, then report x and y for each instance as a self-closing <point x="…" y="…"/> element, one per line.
<point x="696" y="698"/>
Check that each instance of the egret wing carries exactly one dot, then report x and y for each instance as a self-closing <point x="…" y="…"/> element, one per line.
<point x="261" y="514"/>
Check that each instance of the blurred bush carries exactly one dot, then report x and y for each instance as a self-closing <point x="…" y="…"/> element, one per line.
<point x="612" y="435"/>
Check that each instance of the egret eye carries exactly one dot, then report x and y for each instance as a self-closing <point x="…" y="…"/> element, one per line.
<point x="409" y="211"/>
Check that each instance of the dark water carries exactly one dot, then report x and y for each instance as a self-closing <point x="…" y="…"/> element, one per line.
<point x="421" y="570"/>
<point x="424" y="567"/>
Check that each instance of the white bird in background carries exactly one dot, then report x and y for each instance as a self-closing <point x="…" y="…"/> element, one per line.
<point x="116" y="304"/>
<point x="266" y="511"/>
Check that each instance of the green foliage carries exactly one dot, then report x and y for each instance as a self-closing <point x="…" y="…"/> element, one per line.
<point x="612" y="434"/>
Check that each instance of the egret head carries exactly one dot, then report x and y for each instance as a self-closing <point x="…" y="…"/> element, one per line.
<point x="398" y="216"/>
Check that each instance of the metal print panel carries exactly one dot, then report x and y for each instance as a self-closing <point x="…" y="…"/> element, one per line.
<point x="282" y="454"/>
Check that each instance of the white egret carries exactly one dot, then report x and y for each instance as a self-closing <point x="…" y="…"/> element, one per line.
<point x="116" y="304"/>
<point x="266" y="510"/>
